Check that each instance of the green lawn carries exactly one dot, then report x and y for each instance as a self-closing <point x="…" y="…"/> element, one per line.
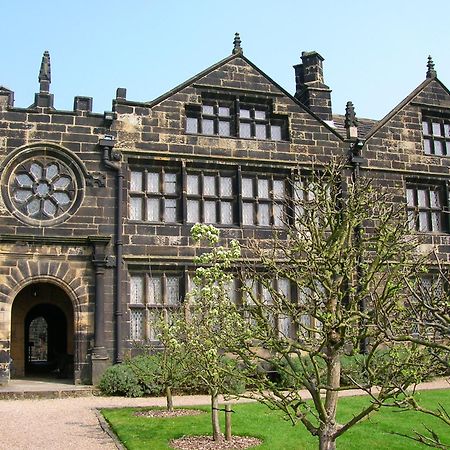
<point x="277" y="434"/>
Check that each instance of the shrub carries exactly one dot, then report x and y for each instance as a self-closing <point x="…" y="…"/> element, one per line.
<point x="120" y="380"/>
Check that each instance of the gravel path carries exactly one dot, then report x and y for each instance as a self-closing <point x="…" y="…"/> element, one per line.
<point x="71" y="423"/>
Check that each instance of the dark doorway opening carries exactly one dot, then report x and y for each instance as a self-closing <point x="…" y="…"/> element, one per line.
<point x="42" y="333"/>
<point x="46" y="342"/>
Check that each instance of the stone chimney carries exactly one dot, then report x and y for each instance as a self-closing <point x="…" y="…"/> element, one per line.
<point x="310" y="87"/>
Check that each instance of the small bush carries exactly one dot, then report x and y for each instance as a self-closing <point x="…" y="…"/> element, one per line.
<point x="120" y="380"/>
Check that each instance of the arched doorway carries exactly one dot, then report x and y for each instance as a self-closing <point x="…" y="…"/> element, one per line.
<point x="42" y="332"/>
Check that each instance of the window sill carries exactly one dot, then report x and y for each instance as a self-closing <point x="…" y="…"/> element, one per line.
<point x="238" y="137"/>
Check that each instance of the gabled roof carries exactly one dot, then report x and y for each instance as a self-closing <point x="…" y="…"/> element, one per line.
<point x="227" y="60"/>
<point x="403" y="103"/>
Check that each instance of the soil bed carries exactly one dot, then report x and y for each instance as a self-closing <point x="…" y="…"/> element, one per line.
<point x="207" y="443"/>
<point x="161" y="413"/>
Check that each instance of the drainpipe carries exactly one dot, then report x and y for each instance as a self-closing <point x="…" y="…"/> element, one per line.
<point x="356" y="159"/>
<point x="111" y="159"/>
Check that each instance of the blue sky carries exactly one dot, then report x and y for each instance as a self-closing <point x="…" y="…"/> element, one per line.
<point x="375" y="51"/>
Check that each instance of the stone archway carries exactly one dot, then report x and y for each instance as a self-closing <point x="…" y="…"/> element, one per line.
<point x="42" y="332"/>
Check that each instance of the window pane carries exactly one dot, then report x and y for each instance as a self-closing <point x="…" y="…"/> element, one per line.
<point x="264" y="216"/>
<point x="438" y="148"/>
<point x="263" y="188"/>
<point x="412" y="220"/>
<point x="155" y="290"/>
<point x="153" y="213"/>
<point x="247" y="187"/>
<point x="266" y="296"/>
<point x="173" y="290"/>
<point x="436" y="129"/>
<point x="224" y="128"/>
<point x="278" y="189"/>
<point x="232" y="290"/>
<point x="447" y="130"/>
<point x="135" y="208"/>
<point x="210" y="212"/>
<point x="244" y="130"/>
<point x="275" y="131"/>
<point x="427" y="146"/>
<point x="226" y="212"/>
<point x="284" y="287"/>
<point x="153" y="182"/>
<point x="425" y="129"/>
<point x="447" y="148"/>
<point x="207" y="126"/>
<point x="260" y="131"/>
<point x="410" y="197"/>
<point x="193" y="215"/>
<point x="247" y="214"/>
<point x="191" y="125"/>
<point x="284" y="325"/>
<point x="224" y="111"/>
<point x="136" y="324"/>
<point x="170" y="210"/>
<point x="208" y="109"/>
<point x="435" y="221"/>
<point x="278" y="215"/>
<point x="136" y="181"/>
<point x="49" y="207"/>
<point x="423" y="221"/>
<point x="137" y="290"/>
<point x="435" y="201"/>
<point x="209" y="185"/>
<point x="153" y="319"/>
<point x="244" y="113"/>
<point x="192" y="184"/>
<point x="226" y="187"/>
<point x="260" y="114"/>
<point x="170" y="183"/>
<point x="422" y="197"/>
<point x="251" y="290"/>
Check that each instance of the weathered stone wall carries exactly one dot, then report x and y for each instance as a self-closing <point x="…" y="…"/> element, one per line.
<point x="395" y="155"/>
<point x="61" y="252"/>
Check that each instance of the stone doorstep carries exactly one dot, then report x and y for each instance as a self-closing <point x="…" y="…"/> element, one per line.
<point x="48" y="394"/>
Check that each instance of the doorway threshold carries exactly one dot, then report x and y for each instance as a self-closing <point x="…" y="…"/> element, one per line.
<point x="21" y="388"/>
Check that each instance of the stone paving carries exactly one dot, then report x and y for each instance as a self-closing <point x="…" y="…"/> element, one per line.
<point x="72" y="423"/>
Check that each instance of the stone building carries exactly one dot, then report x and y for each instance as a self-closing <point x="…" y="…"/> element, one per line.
<point x="96" y="209"/>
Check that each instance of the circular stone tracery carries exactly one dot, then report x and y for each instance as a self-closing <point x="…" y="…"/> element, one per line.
<point x="42" y="188"/>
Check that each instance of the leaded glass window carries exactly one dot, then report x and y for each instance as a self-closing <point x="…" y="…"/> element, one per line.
<point x="154" y="195"/>
<point x="436" y="136"/>
<point x="210" y="197"/>
<point x="137" y="324"/>
<point x="425" y="205"/>
<point x="236" y="116"/>
<point x="263" y="200"/>
<point x="154" y="296"/>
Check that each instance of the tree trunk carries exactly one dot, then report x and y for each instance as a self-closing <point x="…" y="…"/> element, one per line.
<point x="169" y="399"/>
<point x="217" y="435"/>
<point x="327" y="440"/>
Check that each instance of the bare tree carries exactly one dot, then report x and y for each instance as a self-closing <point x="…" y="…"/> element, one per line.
<point x="318" y="291"/>
<point x="425" y="321"/>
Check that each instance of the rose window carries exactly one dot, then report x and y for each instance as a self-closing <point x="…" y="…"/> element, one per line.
<point x="42" y="189"/>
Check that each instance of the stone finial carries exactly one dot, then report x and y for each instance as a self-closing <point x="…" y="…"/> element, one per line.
<point x="431" y="72"/>
<point x="350" y="116"/>
<point x="351" y="122"/>
<point x="237" y="44"/>
<point x="45" y="76"/>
